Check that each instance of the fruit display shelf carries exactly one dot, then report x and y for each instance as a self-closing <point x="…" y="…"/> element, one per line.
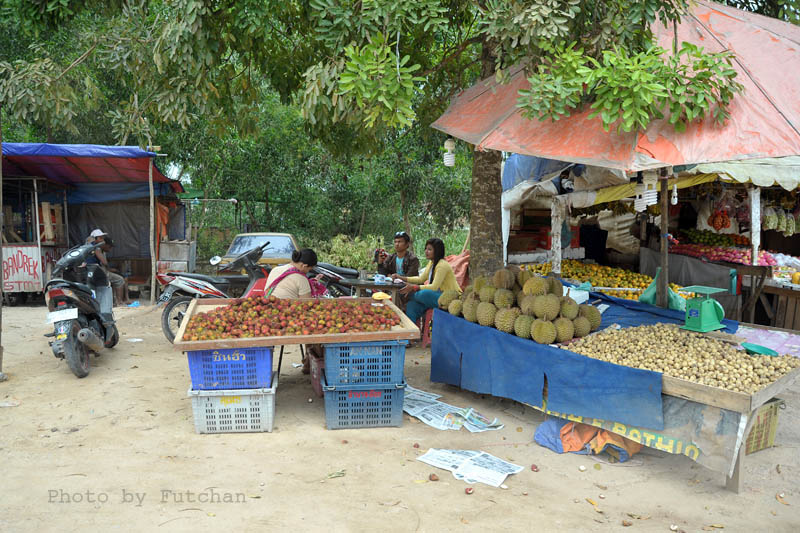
<point x="407" y="330"/>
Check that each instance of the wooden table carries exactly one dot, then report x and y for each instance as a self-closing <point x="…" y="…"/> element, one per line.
<point x="407" y="330"/>
<point x="361" y="285"/>
<point x="746" y="404"/>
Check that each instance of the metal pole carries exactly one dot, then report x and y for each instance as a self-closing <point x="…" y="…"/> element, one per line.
<point x="3" y="377"/>
<point x="662" y="286"/>
<point x="152" y="235"/>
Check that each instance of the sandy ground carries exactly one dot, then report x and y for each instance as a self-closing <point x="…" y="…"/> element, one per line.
<point x="124" y="435"/>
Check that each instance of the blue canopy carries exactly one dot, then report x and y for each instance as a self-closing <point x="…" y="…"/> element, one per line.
<point x="519" y="168"/>
<point x="78" y="164"/>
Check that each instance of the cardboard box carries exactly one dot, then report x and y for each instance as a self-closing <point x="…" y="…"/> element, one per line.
<point x="762" y="434"/>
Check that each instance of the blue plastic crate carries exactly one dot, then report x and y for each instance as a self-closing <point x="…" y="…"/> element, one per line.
<point x="233" y="368"/>
<point x="363" y="406"/>
<point x="365" y="363"/>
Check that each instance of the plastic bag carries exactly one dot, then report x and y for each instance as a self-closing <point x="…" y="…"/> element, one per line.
<point x="769" y="218"/>
<point x="674" y="300"/>
<point x="790" y="226"/>
<point x="781" y="220"/>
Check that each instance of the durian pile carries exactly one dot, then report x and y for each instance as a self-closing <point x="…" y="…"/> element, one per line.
<point x="682" y="354"/>
<point x="524" y="304"/>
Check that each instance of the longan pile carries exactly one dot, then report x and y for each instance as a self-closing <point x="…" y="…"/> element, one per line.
<point x="682" y="354"/>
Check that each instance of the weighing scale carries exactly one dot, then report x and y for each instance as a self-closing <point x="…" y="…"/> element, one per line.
<point x="703" y="313"/>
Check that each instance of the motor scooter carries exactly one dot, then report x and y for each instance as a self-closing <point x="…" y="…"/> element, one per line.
<point x="80" y="302"/>
<point x="332" y="277"/>
<point x="182" y="288"/>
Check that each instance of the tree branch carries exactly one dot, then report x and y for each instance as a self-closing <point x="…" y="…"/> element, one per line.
<point x="77" y="62"/>
<point x="456" y="53"/>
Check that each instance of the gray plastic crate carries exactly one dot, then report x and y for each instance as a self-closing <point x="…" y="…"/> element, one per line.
<point x="234" y="410"/>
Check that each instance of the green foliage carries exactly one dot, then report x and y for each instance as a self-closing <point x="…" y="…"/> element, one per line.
<point x="633" y="90"/>
<point x="346" y="251"/>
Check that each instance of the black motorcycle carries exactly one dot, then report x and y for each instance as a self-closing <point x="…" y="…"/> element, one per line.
<point x="80" y="302"/>
<point x="332" y="277"/>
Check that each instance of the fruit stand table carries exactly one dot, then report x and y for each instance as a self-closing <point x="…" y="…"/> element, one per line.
<point x="361" y="285"/>
<point x="407" y="330"/>
<point x="624" y="400"/>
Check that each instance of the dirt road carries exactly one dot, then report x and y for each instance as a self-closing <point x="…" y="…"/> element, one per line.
<point x="117" y="451"/>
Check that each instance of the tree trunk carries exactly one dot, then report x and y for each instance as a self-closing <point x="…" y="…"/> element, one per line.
<point x="486" y="237"/>
<point x="267" y="218"/>
<point x="404" y="211"/>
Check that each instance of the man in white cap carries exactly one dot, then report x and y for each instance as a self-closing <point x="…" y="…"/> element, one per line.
<point x="117" y="282"/>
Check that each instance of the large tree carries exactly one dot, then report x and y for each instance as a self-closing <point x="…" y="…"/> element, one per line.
<point x="363" y="69"/>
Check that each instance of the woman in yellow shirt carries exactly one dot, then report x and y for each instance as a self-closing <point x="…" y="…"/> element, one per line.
<point x="436" y="277"/>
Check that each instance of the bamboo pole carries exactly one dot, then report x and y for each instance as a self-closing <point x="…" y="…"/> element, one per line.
<point x="3" y="377"/>
<point x="556" y="219"/>
<point x="153" y="281"/>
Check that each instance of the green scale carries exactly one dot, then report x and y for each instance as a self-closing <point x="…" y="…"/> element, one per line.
<point x="703" y="313"/>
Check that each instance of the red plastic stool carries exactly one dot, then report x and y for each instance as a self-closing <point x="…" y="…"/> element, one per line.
<point x="425" y="328"/>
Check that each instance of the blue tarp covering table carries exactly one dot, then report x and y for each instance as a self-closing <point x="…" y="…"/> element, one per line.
<point x="488" y="361"/>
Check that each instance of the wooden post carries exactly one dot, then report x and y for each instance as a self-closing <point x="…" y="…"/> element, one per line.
<point x="556" y="219"/>
<point x="153" y="281"/>
<point x="663" y="279"/>
<point x="3" y="377"/>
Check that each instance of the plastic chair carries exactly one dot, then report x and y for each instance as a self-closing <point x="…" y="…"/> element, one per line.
<point x="426" y="327"/>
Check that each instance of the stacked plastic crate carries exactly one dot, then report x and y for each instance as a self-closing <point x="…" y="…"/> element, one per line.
<point x="363" y="383"/>
<point x="233" y="390"/>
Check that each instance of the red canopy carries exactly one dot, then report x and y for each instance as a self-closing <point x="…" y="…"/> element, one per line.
<point x="764" y="122"/>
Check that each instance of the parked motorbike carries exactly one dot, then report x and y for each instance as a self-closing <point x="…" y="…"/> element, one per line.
<point x="332" y="277"/>
<point x="80" y="304"/>
<point x="182" y="288"/>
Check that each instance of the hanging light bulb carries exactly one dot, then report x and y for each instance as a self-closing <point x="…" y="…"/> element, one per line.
<point x="674" y="199"/>
<point x="450" y="156"/>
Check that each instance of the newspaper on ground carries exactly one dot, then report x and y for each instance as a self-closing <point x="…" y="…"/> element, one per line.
<point x="425" y="406"/>
<point x="471" y="466"/>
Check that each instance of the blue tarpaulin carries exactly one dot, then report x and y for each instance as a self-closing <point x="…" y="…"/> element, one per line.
<point x="90" y="193"/>
<point x="488" y="361"/>
<point x="519" y="168"/>
<point x="78" y="164"/>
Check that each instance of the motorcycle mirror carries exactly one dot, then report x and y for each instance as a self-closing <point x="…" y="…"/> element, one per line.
<point x="215" y="260"/>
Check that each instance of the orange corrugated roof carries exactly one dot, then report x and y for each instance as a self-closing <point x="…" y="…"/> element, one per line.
<point x="764" y="122"/>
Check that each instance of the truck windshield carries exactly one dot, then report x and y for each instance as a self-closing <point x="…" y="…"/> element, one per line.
<point x="280" y="246"/>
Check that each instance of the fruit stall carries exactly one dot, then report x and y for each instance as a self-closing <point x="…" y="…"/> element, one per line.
<point x="358" y="368"/>
<point x="623" y="365"/>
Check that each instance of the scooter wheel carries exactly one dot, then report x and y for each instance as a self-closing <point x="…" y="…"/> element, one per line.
<point x="172" y="316"/>
<point x="76" y="353"/>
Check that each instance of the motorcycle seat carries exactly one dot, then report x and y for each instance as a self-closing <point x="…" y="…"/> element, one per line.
<point x="342" y="271"/>
<point x="74" y="284"/>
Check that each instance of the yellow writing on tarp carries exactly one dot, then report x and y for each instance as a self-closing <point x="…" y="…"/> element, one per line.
<point x="642" y="436"/>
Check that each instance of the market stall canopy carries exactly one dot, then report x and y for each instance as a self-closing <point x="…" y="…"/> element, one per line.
<point x="83" y="164"/>
<point x="764" y="122"/>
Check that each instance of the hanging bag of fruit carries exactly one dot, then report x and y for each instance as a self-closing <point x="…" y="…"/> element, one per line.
<point x="769" y="218"/>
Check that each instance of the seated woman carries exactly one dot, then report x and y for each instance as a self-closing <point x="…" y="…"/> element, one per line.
<point x="425" y="289"/>
<point x="282" y="284"/>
